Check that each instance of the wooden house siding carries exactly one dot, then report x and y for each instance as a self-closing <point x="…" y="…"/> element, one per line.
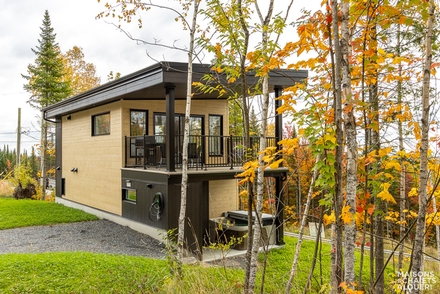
<point x="223" y="196"/>
<point x="97" y="182"/>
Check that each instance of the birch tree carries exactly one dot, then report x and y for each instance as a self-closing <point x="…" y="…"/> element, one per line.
<point x="261" y="157"/>
<point x="129" y="10"/>
<point x="293" y="269"/>
<point x="350" y="131"/>
<point x="336" y="243"/>
<point x="184" y="186"/>
<point x="419" y="240"/>
<point x="263" y="61"/>
<point x="230" y="46"/>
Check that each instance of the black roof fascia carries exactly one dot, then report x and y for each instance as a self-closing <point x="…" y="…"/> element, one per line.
<point x="154" y="79"/>
<point x="107" y="92"/>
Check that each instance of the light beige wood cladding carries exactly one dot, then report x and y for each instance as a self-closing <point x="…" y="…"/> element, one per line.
<point x="223" y="196"/>
<point x="97" y="158"/>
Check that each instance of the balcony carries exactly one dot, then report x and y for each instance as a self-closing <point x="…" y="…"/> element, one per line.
<point x="203" y="151"/>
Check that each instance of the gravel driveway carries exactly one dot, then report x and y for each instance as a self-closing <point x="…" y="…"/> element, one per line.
<point x="94" y="236"/>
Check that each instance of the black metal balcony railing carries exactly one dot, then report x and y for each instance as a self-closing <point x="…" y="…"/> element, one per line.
<point x="203" y="151"/>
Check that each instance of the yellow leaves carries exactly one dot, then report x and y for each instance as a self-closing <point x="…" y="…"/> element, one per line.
<point x="329" y="219"/>
<point x="217" y="69"/>
<point x="231" y="80"/>
<point x="392" y="216"/>
<point x="327" y="86"/>
<point x="243" y="193"/>
<point x="290" y="145"/>
<point x="385" y="151"/>
<point x="346" y="215"/>
<point x="328" y="137"/>
<point x="400" y="59"/>
<point x="385" y="194"/>
<point x="413" y="192"/>
<point x="359" y="219"/>
<point x="389" y="176"/>
<point x="248" y="173"/>
<point x="380" y="51"/>
<point x="276" y="163"/>
<point x="270" y="160"/>
<point x="349" y="290"/>
<point x="410" y="213"/>
<point x="433" y="219"/>
<point x="393" y="164"/>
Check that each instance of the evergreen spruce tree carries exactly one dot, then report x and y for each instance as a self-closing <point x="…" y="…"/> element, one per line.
<point x="45" y="83"/>
<point x="254" y="125"/>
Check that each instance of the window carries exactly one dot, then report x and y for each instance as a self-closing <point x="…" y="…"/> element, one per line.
<point x="196" y="125"/>
<point x="215" y="135"/>
<point x="129" y="195"/>
<point x="196" y="130"/>
<point x="159" y="124"/>
<point x="138" y="127"/>
<point x="101" y="124"/>
<point x="138" y="122"/>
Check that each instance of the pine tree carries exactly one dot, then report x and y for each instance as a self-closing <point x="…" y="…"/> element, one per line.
<point x="45" y="82"/>
<point x="45" y="78"/>
<point x="254" y="126"/>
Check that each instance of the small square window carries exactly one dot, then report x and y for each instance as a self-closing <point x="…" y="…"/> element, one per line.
<point x="101" y="124"/>
<point x="129" y="194"/>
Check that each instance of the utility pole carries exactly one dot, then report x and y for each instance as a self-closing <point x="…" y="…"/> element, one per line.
<point x="18" y="137"/>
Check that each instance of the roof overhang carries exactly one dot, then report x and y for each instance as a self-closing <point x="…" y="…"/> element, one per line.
<point x="150" y="84"/>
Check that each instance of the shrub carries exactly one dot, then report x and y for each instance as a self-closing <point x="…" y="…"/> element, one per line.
<point x="25" y="185"/>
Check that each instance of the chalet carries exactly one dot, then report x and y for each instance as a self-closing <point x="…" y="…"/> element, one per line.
<point x="119" y="149"/>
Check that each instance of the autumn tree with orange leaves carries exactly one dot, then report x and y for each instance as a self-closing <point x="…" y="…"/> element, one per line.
<point x="359" y="38"/>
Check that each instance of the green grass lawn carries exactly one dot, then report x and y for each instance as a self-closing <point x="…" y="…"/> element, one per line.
<point x="82" y="272"/>
<point x="25" y="212"/>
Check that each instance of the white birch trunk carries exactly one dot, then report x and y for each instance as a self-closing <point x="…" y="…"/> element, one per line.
<point x="350" y="130"/>
<point x="261" y="163"/>
<point x="301" y="230"/>
<point x="184" y="186"/>
<point x="402" y="193"/>
<point x="260" y="186"/>
<point x="336" y="255"/>
<point x="423" y="197"/>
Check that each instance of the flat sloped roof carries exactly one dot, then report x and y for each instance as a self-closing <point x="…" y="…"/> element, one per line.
<point x="150" y="83"/>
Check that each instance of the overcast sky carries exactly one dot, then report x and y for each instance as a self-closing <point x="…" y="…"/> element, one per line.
<point x="75" y="25"/>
